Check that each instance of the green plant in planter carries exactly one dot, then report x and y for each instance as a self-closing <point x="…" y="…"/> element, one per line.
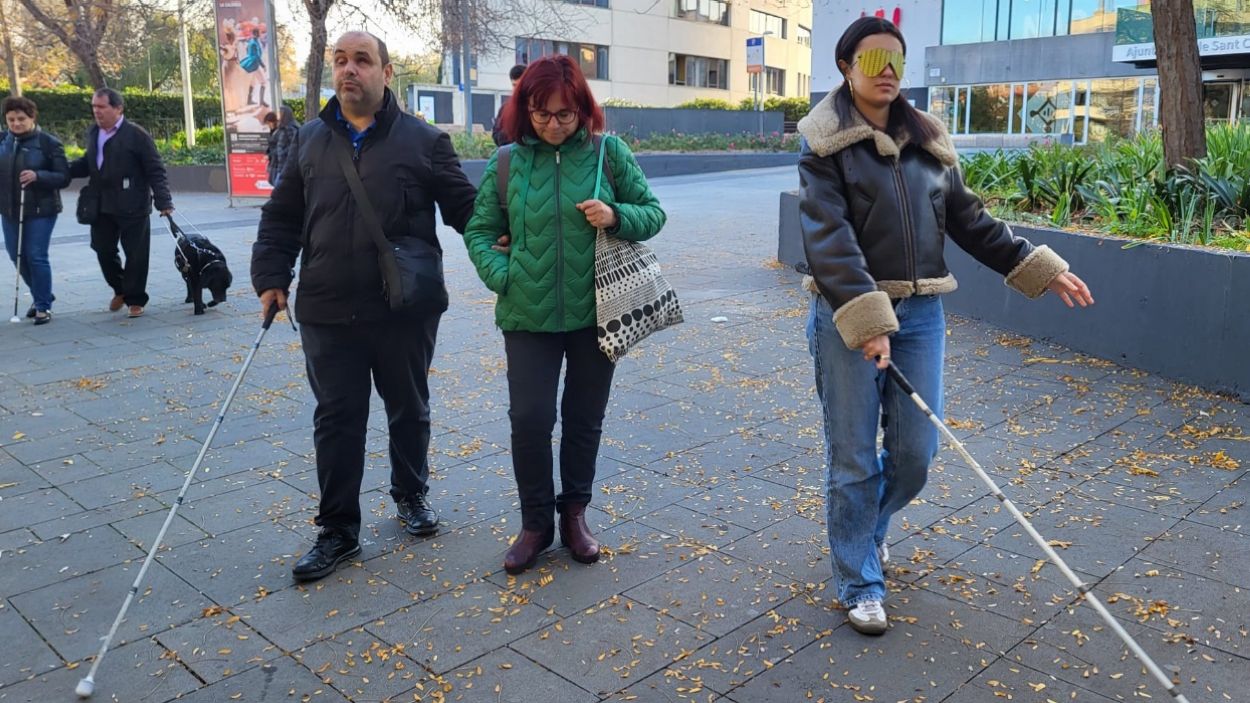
<point x="989" y="174"/>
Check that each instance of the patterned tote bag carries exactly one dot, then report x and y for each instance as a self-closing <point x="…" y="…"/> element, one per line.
<point x="632" y="298"/>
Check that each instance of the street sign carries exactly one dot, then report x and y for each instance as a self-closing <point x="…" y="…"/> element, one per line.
<point x="755" y="54"/>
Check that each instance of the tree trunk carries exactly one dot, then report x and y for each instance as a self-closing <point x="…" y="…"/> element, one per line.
<point x="90" y="60"/>
<point x="10" y="58"/>
<point x="1180" y="82"/>
<point x="317" y="11"/>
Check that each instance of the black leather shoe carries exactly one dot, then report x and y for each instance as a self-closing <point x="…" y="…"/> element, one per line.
<point x="418" y="517"/>
<point x="332" y="548"/>
<point x="31" y="312"/>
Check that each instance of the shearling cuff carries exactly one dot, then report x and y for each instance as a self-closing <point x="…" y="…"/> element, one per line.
<point x="1038" y="269"/>
<point x="863" y="317"/>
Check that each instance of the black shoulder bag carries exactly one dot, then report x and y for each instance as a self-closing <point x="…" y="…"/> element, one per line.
<point x="412" y="268"/>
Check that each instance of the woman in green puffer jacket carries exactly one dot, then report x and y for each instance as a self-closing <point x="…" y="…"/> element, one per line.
<point x="544" y="275"/>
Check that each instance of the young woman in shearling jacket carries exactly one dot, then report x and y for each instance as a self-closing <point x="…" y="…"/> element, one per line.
<point x="881" y="193"/>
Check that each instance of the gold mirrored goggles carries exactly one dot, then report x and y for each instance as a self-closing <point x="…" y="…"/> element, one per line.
<point x="872" y="62"/>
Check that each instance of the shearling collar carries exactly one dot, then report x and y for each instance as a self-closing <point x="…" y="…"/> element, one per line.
<point x="825" y="134"/>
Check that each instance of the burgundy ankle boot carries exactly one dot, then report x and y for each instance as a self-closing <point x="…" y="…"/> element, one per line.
<point x="575" y="535"/>
<point x="525" y="550"/>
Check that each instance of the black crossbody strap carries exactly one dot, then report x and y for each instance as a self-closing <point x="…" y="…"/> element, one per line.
<point x="386" y="258"/>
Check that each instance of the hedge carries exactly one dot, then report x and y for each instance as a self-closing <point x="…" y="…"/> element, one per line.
<point x="66" y="112"/>
<point x="795" y="108"/>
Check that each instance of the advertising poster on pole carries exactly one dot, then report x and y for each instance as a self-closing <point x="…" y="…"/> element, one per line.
<point x="246" y="71"/>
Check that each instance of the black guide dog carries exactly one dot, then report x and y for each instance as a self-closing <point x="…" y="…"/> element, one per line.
<point x="201" y="264"/>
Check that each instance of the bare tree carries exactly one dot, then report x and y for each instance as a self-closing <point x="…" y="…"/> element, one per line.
<point x="317" y="10"/>
<point x="81" y="28"/>
<point x="1180" y="81"/>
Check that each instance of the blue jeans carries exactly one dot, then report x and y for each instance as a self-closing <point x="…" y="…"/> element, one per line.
<point x="36" y="269"/>
<point x="864" y="488"/>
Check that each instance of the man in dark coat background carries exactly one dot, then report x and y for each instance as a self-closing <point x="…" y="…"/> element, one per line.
<point x="349" y="332"/>
<point x="124" y="175"/>
<point x="496" y="133"/>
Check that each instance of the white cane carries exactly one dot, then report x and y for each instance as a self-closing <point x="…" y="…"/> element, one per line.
<point x="17" y="262"/>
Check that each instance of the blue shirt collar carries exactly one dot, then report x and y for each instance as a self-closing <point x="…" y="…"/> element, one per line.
<point x="357" y="137"/>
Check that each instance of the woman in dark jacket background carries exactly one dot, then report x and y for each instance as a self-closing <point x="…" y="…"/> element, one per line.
<point x="881" y="193"/>
<point x="33" y="160"/>
<point x="281" y="137"/>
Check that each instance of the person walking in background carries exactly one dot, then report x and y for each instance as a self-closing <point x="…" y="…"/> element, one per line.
<point x="545" y="282"/>
<point x="33" y="160"/>
<point x="124" y="176"/>
<point x="350" y="332"/>
<point x="282" y="133"/>
<point x="881" y="194"/>
<point x="497" y="132"/>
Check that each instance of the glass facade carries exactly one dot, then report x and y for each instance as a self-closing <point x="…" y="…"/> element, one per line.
<point x="1086" y="109"/>
<point x="1213" y="18"/>
<point x="971" y="21"/>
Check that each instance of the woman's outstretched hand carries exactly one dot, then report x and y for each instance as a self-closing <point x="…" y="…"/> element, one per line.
<point x="1069" y="288"/>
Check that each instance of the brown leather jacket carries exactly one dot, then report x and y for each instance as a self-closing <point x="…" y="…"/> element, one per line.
<point x="876" y="212"/>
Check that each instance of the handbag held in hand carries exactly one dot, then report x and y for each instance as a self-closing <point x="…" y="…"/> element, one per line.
<point x="632" y="298"/>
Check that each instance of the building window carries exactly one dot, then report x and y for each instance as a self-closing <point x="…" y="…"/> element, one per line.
<point x="764" y="23"/>
<point x="591" y="3"/>
<point x="805" y="85"/>
<point x="969" y="21"/>
<point x="805" y="36"/>
<point x="774" y="81"/>
<point x="592" y="58"/>
<point x="698" y="71"/>
<point x="714" y="11"/>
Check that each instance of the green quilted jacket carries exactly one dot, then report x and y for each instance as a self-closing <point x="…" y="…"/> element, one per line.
<point x="547" y="282"/>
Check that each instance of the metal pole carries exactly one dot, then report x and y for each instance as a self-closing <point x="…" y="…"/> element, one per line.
<point x="464" y="72"/>
<point x="184" y="58"/>
<point x="275" y="77"/>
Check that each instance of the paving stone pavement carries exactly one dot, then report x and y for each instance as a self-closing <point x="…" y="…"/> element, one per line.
<point x="716" y="582"/>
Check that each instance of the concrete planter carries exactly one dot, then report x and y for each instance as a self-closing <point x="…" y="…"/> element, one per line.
<point x="212" y="179"/>
<point x="183" y="179"/>
<point x="1179" y="312"/>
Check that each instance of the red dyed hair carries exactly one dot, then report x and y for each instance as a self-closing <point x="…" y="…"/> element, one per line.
<point x="548" y="76"/>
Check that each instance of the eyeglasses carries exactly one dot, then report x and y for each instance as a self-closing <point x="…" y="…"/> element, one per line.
<point x="872" y="62"/>
<point x="562" y="117"/>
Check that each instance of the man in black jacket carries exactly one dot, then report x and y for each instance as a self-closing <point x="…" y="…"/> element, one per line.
<point x="496" y="132"/>
<point x="125" y="174"/>
<point x="349" y="331"/>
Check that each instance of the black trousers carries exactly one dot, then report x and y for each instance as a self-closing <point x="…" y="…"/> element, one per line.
<point x="135" y="235"/>
<point x="534" y="361"/>
<point x="341" y="359"/>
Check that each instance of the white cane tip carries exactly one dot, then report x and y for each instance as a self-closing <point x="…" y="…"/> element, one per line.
<point x="85" y="688"/>
<point x="15" y="319"/>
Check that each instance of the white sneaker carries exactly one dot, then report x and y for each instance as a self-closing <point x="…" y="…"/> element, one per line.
<point x="883" y="554"/>
<point x="868" y="618"/>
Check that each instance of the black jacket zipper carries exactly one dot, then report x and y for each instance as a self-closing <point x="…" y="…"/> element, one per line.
<point x="909" y="243"/>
